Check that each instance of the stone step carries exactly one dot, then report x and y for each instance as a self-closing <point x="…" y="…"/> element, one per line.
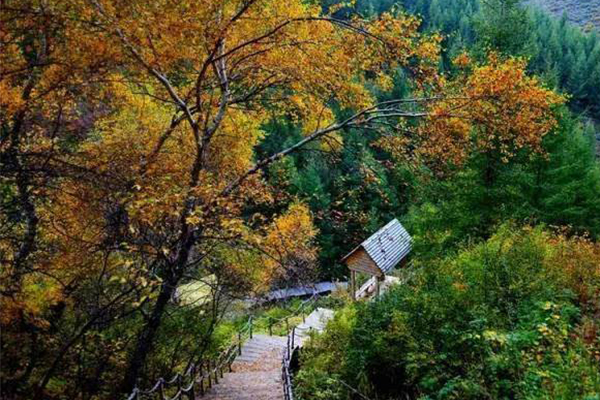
<point x="257" y="371"/>
<point x="247" y="385"/>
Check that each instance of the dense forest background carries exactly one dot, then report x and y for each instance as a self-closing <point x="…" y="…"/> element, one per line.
<point x="492" y="310"/>
<point x="360" y="189"/>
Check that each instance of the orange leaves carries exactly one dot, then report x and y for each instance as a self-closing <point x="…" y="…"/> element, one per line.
<point x="289" y="243"/>
<point x="10" y="98"/>
<point x="463" y="60"/>
<point x="578" y="262"/>
<point x="293" y="227"/>
<point x="513" y="111"/>
<point x="496" y="108"/>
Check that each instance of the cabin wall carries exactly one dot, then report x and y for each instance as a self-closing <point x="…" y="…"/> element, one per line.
<point x="361" y="262"/>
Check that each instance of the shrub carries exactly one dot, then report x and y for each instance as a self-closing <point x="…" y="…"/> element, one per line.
<point x="511" y="318"/>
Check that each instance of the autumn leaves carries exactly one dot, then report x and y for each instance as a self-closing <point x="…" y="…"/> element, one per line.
<point x="129" y="131"/>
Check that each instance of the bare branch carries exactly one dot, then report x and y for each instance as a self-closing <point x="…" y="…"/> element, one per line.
<point x="354" y="121"/>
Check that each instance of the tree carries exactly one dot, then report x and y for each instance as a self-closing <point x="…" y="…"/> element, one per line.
<point x="503" y="26"/>
<point x="154" y="195"/>
<point x="569" y="180"/>
<point x="156" y="192"/>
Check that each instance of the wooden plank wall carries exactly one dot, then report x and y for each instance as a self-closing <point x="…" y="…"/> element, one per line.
<point x="361" y="262"/>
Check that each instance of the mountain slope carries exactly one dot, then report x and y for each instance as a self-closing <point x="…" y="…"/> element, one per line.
<point x="581" y="12"/>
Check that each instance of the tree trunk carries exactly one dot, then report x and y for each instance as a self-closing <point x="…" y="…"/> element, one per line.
<point x="147" y="335"/>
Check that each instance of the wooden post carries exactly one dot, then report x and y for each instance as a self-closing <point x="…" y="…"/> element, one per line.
<point x="293" y="336"/>
<point x="200" y="378"/>
<point x="287" y="325"/>
<point x="353" y="284"/>
<point x="240" y="343"/>
<point x="208" y="374"/>
<point x="216" y="373"/>
<point x="161" y="390"/>
<point x="270" y="327"/>
<point x="201" y="375"/>
<point x="377" y="287"/>
<point x="250" y="327"/>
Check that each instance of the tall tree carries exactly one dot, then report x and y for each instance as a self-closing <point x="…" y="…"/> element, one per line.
<point x="503" y="26"/>
<point x="156" y="190"/>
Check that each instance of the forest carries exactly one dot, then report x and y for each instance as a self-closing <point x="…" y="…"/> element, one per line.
<point x="166" y="165"/>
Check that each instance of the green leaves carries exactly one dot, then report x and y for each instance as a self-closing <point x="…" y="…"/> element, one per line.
<point x="498" y="320"/>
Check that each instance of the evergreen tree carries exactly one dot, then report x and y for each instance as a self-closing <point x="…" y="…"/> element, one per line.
<point x="570" y="179"/>
<point x="503" y="26"/>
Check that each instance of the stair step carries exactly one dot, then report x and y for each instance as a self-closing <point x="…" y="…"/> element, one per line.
<point x="257" y="371"/>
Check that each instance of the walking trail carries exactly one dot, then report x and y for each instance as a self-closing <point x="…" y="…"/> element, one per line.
<point x="256" y="373"/>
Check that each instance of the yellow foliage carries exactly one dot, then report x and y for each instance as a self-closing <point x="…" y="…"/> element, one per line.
<point x="290" y="236"/>
<point x="497" y="108"/>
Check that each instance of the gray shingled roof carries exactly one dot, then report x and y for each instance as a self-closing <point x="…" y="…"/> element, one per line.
<point x="388" y="246"/>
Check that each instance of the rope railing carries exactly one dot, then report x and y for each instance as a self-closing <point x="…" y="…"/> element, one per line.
<point x="288" y="352"/>
<point x="202" y="376"/>
<point x="300" y="311"/>
<point x="199" y="377"/>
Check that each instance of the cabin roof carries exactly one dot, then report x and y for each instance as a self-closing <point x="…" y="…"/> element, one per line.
<point x="386" y="247"/>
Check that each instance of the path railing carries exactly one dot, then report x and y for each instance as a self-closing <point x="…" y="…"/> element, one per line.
<point x="286" y="374"/>
<point x="300" y="311"/>
<point x="202" y="376"/>
<point x="290" y="348"/>
<point x="199" y="377"/>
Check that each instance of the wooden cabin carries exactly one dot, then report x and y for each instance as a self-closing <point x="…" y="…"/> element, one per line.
<point x="379" y="254"/>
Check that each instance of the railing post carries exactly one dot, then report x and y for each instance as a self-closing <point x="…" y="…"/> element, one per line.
<point x="216" y="374"/>
<point x="208" y="374"/>
<point x="293" y="336"/>
<point x="287" y="325"/>
<point x="161" y="391"/>
<point x="201" y="375"/>
<point x="240" y="343"/>
<point x="251" y="327"/>
<point x="221" y="366"/>
<point x="270" y="327"/>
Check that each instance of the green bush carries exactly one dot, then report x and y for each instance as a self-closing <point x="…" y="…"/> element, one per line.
<point x="498" y="320"/>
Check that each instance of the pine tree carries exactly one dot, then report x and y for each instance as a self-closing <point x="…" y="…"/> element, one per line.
<point x="570" y="179"/>
<point x="503" y="26"/>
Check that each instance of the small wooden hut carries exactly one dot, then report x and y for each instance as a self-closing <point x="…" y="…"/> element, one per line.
<point x="379" y="254"/>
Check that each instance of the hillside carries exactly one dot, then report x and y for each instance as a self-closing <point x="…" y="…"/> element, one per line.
<point x="581" y="12"/>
